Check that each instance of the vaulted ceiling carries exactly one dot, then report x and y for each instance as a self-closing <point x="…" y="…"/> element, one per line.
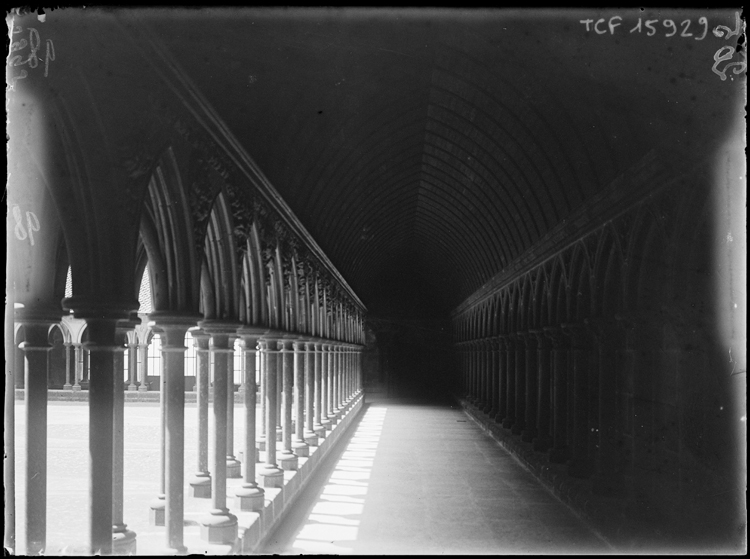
<point x="425" y="150"/>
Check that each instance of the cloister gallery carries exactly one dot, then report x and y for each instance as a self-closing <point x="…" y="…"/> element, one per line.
<point x="536" y="216"/>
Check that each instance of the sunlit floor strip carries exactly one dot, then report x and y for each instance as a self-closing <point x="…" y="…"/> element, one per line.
<point x="332" y="525"/>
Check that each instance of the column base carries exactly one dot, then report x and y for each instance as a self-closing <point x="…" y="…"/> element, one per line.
<point x="517" y="428"/>
<point x="67" y="387"/>
<point x="132" y="388"/>
<point x="507" y="423"/>
<point x="250" y="498"/>
<point x="333" y="419"/>
<point x="326" y="424"/>
<point x="143" y="388"/>
<point x="492" y="413"/>
<point x="558" y="455"/>
<point x="288" y="461"/>
<point x="542" y="444"/>
<point x="311" y="439"/>
<point x="234" y="467"/>
<point x="220" y="527"/>
<point x="124" y="542"/>
<point x="76" y="388"/>
<point x="320" y="431"/>
<point x="301" y="449"/>
<point x="273" y="476"/>
<point x="157" y="514"/>
<point x="201" y="486"/>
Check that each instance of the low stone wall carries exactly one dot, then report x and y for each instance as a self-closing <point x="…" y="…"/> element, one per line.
<point x="607" y="516"/>
<point x="254" y="528"/>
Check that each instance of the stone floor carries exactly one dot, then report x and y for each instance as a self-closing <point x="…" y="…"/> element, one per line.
<point x="68" y="475"/>
<point x="420" y="478"/>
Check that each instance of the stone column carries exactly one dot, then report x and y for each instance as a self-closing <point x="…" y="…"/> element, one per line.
<point x="78" y="369"/>
<point x="84" y="364"/>
<point x="483" y="368"/>
<point x="494" y="380"/>
<point x="173" y="328"/>
<point x="472" y="369"/>
<point x="200" y="482"/>
<point x="543" y="440"/>
<point x="332" y="418"/>
<point x="489" y="373"/>
<point x="158" y="505"/>
<point x="263" y="357"/>
<point x="144" y="367"/>
<point x="466" y="362"/>
<point x="279" y="391"/>
<point x="324" y="420"/>
<point x="348" y="373"/>
<point x="250" y="496"/>
<point x="338" y="371"/>
<point x="310" y="437"/>
<point x="609" y="476"/>
<point x="233" y="465"/>
<point x="520" y="395"/>
<point x="502" y="381"/>
<point x="123" y="540"/>
<point x="580" y="465"/>
<point x="474" y="373"/>
<point x="35" y="349"/>
<point x="299" y="446"/>
<point x="101" y="347"/>
<point x="559" y="452"/>
<point x="510" y="375"/>
<point x="272" y="475"/>
<point x="67" y="385"/>
<point x="287" y="458"/>
<point x="318" y="426"/>
<point x="221" y="525"/>
<point x="132" y="367"/>
<point x="532" y="388"/>
<point x="479" y="382"/>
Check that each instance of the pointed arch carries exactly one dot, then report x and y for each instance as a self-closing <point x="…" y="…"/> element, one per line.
<point x="221" y="265"/>
<point x="166" y="233"/>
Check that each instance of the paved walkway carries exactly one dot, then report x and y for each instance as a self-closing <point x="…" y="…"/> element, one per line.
<point x="421" y="478"/>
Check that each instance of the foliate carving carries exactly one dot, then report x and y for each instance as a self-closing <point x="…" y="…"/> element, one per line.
<point x="267" y="254"/>
<point x="241" y="203"/>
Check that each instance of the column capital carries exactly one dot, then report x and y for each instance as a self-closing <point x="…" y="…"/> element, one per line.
<point x="218" y="327"/>
<point x="173" y="326"/>
<point x="83" y="307"/>
<point x="220" y="332"/>
<point x="42" y="317"/>
<point x="36" y="334"/>
<point x="200" y="338"/>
